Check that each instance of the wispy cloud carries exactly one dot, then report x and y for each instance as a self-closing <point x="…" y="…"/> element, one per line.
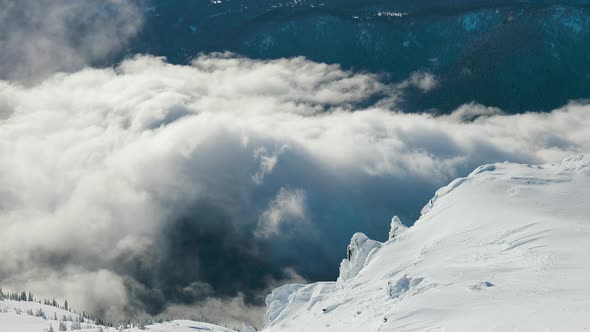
<point x="38" y="38"/>
<point x="287" y="208"/>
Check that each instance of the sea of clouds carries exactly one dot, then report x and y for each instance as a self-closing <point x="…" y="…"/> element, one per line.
<point x="141" y="176"/>
<point x="195" y="189"/>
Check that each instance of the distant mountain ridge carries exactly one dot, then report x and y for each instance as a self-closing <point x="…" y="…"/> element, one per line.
<point x="482" y="51"/>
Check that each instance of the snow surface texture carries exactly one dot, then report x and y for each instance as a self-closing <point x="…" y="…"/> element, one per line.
<point x="506" y="248"/>
<point x="14" y="318"/>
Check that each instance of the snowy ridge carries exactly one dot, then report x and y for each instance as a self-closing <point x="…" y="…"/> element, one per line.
<point x="453" y="185"/>
<point x="33" y="316"/>
<point x="505" y="248"/>
<point x="22" y="316"/>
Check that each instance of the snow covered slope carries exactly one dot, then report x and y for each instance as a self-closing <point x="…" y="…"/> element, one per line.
<point x="506" y="248"/>
<point x="20" y="316"/>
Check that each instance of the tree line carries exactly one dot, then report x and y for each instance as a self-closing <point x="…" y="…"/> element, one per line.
<point x="29" y="297"/>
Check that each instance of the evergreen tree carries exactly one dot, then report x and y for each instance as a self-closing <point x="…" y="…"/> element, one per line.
<point x="30" y="297"/>
<point x="76" y="325"/>
<point x="62" y="326"/>
<point x="66" y="305"/>
<point x="40" y="313"/>
<point x="23" y="296"/>
<point x="50" y="328"/>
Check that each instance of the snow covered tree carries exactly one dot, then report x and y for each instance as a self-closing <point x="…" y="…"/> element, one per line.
<point x="397" y="227"/>
<point x="50" y="328"/>
<point x="76" y="325"/>
<point x="23" y="296"/>
<point x="66" y="305"/>
<point x="40" y="313"/>
<point x="62" y="326"/>
<point x="30" y="297"/>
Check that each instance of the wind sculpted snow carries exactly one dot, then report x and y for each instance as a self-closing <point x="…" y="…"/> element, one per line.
<point x="504" y="248"/>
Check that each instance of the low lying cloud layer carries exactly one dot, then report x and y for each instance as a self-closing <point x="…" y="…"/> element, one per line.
<point x="150" y="187"/>
<point x="38" y="38"/>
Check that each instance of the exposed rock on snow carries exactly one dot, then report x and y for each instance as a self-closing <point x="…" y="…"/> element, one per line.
<point x="504" y="248"/>
<point x="481" y="285"/>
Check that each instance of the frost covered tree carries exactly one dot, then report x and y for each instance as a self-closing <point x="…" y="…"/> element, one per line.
<point x="76" y="325"/>
<point x="40" y="313"/>
<point x="141" y="325"/>
<point x="62" y="326"/>
<point x="50" y="329"/>
<point x="397" y="227"/>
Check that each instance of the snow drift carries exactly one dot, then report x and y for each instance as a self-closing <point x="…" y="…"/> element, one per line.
<point x="504" y="248"/>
